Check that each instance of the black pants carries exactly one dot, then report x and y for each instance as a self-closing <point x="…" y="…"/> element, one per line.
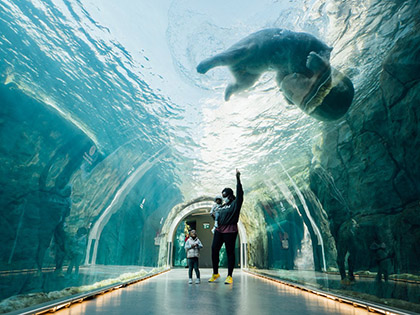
<point x="193" y="263"/>
<point x="218" y="239"/>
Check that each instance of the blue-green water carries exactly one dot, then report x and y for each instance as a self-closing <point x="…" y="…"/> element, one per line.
<point x="106" y="125"/>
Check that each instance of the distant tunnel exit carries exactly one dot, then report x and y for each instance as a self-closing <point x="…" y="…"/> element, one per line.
<point x="196" y="214"/>
<point x="203" y="224"/>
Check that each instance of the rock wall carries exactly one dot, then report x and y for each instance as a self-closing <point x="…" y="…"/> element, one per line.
<point x="256" y="229"/>
<point x="39" y="153"/>
<point x="367" y="166"/>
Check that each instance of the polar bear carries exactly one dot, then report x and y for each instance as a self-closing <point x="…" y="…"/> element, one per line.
<point x="302" y="64"/>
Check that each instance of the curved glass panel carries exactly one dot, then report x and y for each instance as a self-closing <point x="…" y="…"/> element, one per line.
<point x="119" y="124"/>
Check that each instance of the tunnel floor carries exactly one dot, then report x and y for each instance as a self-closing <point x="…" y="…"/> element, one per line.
<point x="170" y="293"/>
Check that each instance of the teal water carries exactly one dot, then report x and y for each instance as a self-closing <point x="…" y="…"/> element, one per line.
<point x="103" y="100"/>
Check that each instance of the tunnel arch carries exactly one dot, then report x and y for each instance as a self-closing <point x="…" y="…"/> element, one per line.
<point x="97" y="228"/>
<point x="179" y="213"/>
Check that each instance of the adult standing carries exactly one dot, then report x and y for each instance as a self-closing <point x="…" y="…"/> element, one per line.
<point x="227" y="229"/>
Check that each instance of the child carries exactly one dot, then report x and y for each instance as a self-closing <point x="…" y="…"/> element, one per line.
<point x="193" y="246"/>
<point x="215" y="211"/>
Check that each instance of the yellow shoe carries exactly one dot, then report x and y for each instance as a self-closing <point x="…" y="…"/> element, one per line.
<point x="214" y="277"/>
<point x="229" y="280"/>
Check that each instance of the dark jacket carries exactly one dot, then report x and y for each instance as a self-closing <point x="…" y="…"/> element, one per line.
<point x="229" y="213"/>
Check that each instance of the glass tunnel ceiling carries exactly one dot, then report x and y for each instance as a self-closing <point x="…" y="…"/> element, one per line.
<point x="106" y="126"/>
<point x="125" y="74"/>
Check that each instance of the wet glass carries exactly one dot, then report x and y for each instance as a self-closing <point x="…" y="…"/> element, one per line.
<point x="113" y="140"/>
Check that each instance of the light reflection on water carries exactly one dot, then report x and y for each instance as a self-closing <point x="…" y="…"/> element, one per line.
<point x="146" y="91"/>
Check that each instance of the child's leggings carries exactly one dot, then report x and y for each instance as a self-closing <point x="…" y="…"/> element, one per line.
<point x="193" y="263"/>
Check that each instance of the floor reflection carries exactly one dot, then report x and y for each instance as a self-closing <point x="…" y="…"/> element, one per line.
<point x="170" y="293"/>
<point x="363" y="288"/>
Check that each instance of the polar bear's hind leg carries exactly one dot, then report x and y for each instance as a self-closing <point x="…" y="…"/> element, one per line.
<point x="244" y="80"/>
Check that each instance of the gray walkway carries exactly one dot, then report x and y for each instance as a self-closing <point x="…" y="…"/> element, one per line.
<point x="170" y="293"/>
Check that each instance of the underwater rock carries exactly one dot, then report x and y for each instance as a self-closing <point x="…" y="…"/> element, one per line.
<point x="303" y="70"/>
<point x="367" y="167"/>
<point x="39" y="152"/>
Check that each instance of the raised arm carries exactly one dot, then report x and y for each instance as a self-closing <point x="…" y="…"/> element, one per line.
<point x="239" y="190"/>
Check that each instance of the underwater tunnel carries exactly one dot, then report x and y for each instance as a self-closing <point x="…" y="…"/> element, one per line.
<point x="120" y="123"/>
